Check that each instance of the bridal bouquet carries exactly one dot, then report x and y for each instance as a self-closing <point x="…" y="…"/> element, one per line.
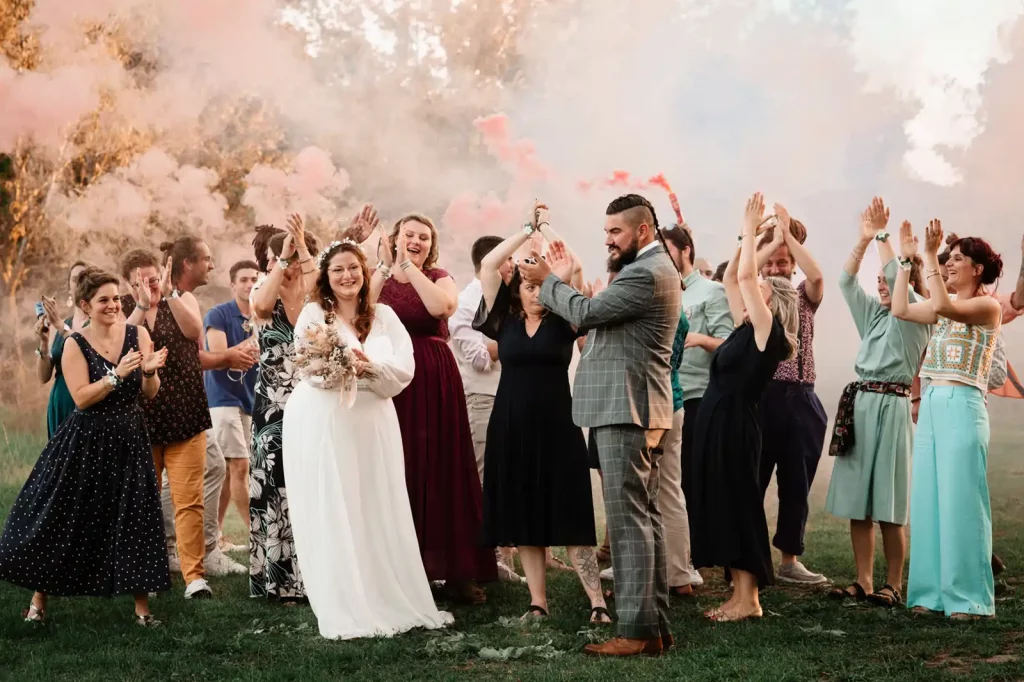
<point x="322" y="354"/>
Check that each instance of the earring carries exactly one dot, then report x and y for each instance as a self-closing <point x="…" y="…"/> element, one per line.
<point x="71" y="300"/>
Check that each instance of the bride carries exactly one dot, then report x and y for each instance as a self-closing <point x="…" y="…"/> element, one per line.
<point x="349" y="508"/>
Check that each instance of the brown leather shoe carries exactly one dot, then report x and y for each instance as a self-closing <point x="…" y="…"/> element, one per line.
<point x="621" y="646"/>
<point x="667" y="642"/>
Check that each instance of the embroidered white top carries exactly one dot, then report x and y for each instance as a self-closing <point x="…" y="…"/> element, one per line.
<point x="960" y="352"/>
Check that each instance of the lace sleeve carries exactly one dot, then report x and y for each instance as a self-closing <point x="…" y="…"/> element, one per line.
<point x="392" y="373"/>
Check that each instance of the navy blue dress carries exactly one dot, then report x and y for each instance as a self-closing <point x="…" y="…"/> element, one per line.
<point x="87" y="522"/>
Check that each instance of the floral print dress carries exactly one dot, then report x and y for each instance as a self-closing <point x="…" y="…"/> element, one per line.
<point x="273" y="566"/>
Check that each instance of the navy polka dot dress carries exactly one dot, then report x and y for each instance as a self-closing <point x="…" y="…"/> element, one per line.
<point x="87" y="522"/>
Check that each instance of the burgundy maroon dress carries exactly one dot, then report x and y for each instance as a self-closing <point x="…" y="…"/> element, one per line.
<point x="440" y="465"/>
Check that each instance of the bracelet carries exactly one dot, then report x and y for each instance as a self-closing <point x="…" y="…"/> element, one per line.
<point x="405" y="264"/>
<point x="149" y="374"/>
<point x="306" y="259"/>
<point x="42" y="354"/>
<point x="283" y="263"/>
<point x="543" y="223"/>
<point x="882" y="237"/>
<point x="383" y="269"/>
<point x="143" y="308"/>
<point x="175" y="294"/>
<point x="527" y="228"/>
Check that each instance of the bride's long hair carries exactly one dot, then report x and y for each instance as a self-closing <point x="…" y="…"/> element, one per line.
<point x="324" y="295"/>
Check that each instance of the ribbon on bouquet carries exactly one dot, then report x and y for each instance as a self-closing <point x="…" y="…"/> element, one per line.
<point x="349" y="389"/>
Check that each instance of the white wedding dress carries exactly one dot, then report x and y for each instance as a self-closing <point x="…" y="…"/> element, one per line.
<point x="349" y="508"/>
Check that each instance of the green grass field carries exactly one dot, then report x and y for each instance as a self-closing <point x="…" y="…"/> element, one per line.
<point x="803" y="637"/>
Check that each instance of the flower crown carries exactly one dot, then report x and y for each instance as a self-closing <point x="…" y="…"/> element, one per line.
<point x="331" y="247"/>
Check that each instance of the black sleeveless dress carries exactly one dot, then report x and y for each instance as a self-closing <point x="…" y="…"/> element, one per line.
<point x="725" y="505"/>
<point x="87" y="522"/>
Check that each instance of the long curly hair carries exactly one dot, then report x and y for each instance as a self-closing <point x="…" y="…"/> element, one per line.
<point x="434" y="253"/>
<point x="785" y="307"/>
<point x="324" y="295"/>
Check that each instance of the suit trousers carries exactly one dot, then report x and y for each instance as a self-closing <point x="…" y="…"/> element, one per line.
<point x="629" y="463"/>
<point x="793" y="425"/>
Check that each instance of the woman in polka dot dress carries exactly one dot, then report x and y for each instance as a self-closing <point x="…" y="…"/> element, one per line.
<point x="87" y="522"/>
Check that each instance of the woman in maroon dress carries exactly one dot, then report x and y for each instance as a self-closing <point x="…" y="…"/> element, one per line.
<point x="440" y="466"/>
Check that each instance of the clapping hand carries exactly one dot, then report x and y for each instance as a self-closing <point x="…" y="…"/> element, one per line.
<point x="50" y="306"/>
<point x="785" y="223"/>
<point x="166" y="286"/>
<point x="42" y="332"/>
<point x="560" y="261"/>
<point x="140" y="289"/>
<point x="874" y="219"/>
<point x="362" y="224"/>
<point x="753" y="215"/>
<point x="933" y="236"/>
<point x="534" y="269"/>
<point x="243" y="356"/>
<point x="152" y="361"/>
<point x="131" y="361"/>
<point x="297" y="231"/>
<point x="364" y="368"/>
<point x="908" y="242"/>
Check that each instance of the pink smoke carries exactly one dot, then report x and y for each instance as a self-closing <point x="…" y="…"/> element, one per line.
<point x="314" y="189"/>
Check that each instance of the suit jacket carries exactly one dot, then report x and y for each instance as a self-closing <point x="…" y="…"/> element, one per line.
<point x="624" y="374"/>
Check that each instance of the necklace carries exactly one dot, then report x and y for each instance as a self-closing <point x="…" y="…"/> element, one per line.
<point x="106" y="347"/>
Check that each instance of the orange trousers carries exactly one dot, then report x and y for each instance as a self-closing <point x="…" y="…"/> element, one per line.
<point x="185" y="462"/>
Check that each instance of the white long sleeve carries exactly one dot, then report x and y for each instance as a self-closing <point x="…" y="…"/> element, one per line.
<point x="393" y="364"/>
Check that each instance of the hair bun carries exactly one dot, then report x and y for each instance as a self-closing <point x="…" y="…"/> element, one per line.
<point x="165" y="247"/>
<point x="951" y="238"/>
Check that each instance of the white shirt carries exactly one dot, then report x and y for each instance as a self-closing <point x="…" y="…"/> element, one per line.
<point x="479" y="373"/>
<point x="647" y="248"/>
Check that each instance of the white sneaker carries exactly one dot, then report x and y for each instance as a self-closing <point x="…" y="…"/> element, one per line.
<point x="797" y="574"/>
<point x="174" y="563"/>
<point x="608" y="574"/>
<point x="198" y="589"/>
<point x="218" y="564"/>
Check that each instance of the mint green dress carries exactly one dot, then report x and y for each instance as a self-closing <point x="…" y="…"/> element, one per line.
<point x="872" y="480"/>
<point x="60" y="404"/>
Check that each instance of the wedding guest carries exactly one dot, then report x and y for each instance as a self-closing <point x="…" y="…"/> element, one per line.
<point x="537" y="491"/>
<point x="440" y="467"/>
<point x="230" y="392"/>
<point x="276" y="302"/>
<point x="178" y="417"/>
<point x="87" y="522"/>
<point x="720" y="271"/>
<point x="706" y="309"/>
<point x="728" y="525"/>
<point x="951" y="548"/>
<point x="477" y="357"/>
<point x="793" y="421"/>
<point x="364" y="578"/>
<point x="704" y="268"/>
<point x="873" y="432"/>
<point x="52" y="330"/>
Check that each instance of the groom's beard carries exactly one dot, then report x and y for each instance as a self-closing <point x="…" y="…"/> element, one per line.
<point x="618" y="259"/>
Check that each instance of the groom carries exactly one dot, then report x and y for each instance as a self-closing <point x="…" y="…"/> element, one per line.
<point x="624" y="393"/>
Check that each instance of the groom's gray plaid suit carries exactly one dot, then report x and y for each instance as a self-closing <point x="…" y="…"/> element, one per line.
<point x="623" y="390"/>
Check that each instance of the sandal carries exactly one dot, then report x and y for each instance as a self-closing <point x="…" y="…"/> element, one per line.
<point x="34" y="614"/>
<point x="968" y="617"/>
<point x="599" y="612"/>
<point x="840" y="594"/>
<point x="147" y="621"/>
<point x="888" y="597"/>
<point x="557" y="564"/>
<point x="924" y="611"/>
<point x="534" y="612"/>
<point x="723" y="617"/>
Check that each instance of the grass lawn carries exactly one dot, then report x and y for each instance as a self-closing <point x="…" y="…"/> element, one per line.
<point x="802" y="637"/>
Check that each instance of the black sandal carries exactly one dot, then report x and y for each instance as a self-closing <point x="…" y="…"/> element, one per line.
<point x="534" y="612"/>
<point x="880" y="598"/>
<point x="840" y="594"/>
<point x="597" y="612"/>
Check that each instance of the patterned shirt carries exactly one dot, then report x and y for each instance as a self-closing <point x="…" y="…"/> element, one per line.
<point x="677" y="360"/>
<point x="960" y="352"/>
<point x="179" y="410"/>
<point x="800" y="368"/>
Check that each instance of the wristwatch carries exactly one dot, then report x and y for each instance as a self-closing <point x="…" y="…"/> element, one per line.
<point x="882" y="237"/>
<point x="528" y="228"/>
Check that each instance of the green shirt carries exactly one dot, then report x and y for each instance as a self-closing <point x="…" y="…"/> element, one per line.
<point x="707" y="310"/>
<point x="890" y="349"/>
<point x="677" y="360"/>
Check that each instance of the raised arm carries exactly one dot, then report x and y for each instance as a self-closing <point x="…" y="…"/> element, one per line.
<point x="544" y="227"/>
<point x="732" y="286"/>
<point x="184" y="307"/>
<point x="266" y="292"/>
<point x="297" y="231"/>
<point x="982" y="310"/>
<point x="750" y="288"/>
<point x="815" y="286"/>
<point x="440" y="298"/>
<point x="902" y="309"/>
<point x="490" y="275"/>
<point x="1017" y="297"/>
<point x="44" y="363"/>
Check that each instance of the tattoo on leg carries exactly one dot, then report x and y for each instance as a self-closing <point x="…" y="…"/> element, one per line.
<point x="587" y="568"/>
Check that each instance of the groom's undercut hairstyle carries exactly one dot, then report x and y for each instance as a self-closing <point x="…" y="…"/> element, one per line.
<point x="482" y="247"/>
<point x="635" y="209"/>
